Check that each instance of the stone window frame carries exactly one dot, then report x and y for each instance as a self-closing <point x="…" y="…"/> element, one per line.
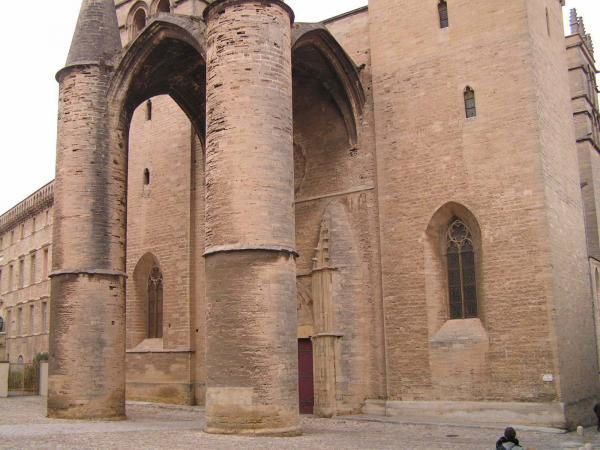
<point x="435" y="254"/>
<point x="132" y="30"/>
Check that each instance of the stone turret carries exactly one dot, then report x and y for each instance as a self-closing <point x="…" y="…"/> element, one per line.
<point x="87" y="335"/>
<point x="252" y="377"/>
<point x="96" y="38"/>
<point x="578" y="27"/>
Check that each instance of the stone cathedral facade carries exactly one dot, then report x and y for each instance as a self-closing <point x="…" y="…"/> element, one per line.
<point x="394" y="211"/>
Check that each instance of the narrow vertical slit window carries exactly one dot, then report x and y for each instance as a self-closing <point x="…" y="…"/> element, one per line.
<point x="149" y="110"/>
<point x="443" y="13"/>
<point x="548" y="22"/>
<point x="146" y="177"/>
<point x="470" y="106"/>
<point x="462" y="291"/>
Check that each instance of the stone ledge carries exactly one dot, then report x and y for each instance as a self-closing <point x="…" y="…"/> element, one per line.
<point x="547" y="415"/>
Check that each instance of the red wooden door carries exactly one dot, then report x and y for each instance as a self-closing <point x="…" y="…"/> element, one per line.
<point x="305" y="376"/>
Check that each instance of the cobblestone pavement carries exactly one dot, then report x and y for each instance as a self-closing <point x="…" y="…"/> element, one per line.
<point x="23" y="425"/>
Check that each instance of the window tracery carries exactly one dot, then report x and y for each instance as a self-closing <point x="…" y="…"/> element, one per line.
<point x="155" y="304"/>
<point x="462" y="291"/>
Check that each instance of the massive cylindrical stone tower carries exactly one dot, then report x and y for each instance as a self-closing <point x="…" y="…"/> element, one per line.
<point x="87" y="334"/>
<point x="252" y="380"/>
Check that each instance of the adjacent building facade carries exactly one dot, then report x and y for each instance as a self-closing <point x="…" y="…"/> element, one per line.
<point x="444" y="208"/>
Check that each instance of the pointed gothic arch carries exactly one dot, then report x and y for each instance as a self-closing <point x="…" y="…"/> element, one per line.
<point x="316" y="54"/>
<point x="167" y="58"/>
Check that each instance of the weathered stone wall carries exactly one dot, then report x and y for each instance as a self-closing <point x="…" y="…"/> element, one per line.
<point x="503" y="166"/>
<point x="27" y="243"/>
<point x="250" y="267"/>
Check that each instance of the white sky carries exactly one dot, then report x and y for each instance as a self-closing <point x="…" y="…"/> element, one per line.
<point x="34" y="46"/>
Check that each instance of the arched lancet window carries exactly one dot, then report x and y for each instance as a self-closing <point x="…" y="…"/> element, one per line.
<point x="139" y="21"/>
<point x="146" y="177"/>
<point x="470" y="106"/>
<point x="163" y="6"/>
<point x="155" y="304"/>
<point x="20" y="359"/>
<point x="149" y="110"/>
<point x="462" y="291"/>
<point x="443" y="12"/>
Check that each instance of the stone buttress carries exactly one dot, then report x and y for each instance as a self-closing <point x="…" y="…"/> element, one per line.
<point x="87" y="337"/>
<point x="252" y="378"/>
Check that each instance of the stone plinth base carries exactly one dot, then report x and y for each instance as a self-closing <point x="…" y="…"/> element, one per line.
<point x="4" y="379"/>
<point x="550" y="415"/>
<point x="44" y="378"/>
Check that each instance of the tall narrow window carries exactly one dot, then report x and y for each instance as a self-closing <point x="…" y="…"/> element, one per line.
<point x="443" y="12"/>
<point x="19" y="321"/>
<point x="11" y="277"/>
<point x="22" y="233"/>
<point x="32" y="270"/>
<point x="8" y="322"/>
<point x="21" y="273"/>
<point x="548" y="22"/>
<point x="1" y="325"/>
<point x="45" y="317"/>
<point x="139" y="21"/>
<point x="149" y="110"/>
<point x="470" y="106"/>
<point x="146" y="177"/>
<point x="45" y="266"/>
<point x="163" y="6"/>
<point x="33" y="225"/>
<point x="1" y="290"/>
<point x="462" y="292"/>
<point x="31" y="319"/>
<point x="155" y="304"/>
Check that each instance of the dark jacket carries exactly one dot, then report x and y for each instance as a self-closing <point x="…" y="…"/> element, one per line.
<point x="510" y="444"/>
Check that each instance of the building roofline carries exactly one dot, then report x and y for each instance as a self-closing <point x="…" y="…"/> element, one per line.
<point x="32" y="204"/>
<point x="346" y="14"/>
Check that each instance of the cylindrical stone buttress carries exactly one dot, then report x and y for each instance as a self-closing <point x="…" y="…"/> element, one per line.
<point x="252" y="375"/>
<point x="87" y="333"/>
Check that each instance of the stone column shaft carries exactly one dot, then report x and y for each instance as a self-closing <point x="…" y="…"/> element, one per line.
<point x="87" y="334"/>
<point x="252" y="375"/>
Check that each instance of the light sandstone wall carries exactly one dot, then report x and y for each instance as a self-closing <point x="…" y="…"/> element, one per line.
<point x="587" y="132"/>
<point x="352" y="32"/>
<point x="334" y="173"/>
<point x="498" y="166"/>
<point x="159" y="224"/>
<point x="570" y="304"/>
<point x="28" y="239"/>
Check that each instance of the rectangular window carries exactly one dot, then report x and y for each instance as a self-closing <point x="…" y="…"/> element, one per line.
<point x="21" y="273"/>
<point x="31" y="319"/>
<point x="45" y="316"/>
<point x="45" y="266"/>
<point x="1" y="290"/>
<point x="22" y="231"/>
<point x="12" y="237"/>
<point x="32" y="270"/>
<point x="19" y="321"/>
<point x="8" y="323"/>
<point x="33" y="225"/>
<point x="11" y="277"/>
<point x="443" y="12"/>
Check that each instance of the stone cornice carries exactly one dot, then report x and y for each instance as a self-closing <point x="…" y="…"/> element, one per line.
<point x="36" y="202"/>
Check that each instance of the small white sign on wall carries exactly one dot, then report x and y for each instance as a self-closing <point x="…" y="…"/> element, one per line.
<point x="548" y="378"/>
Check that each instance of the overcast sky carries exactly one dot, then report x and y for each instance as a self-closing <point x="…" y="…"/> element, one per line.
<point x="35" y="45"/>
